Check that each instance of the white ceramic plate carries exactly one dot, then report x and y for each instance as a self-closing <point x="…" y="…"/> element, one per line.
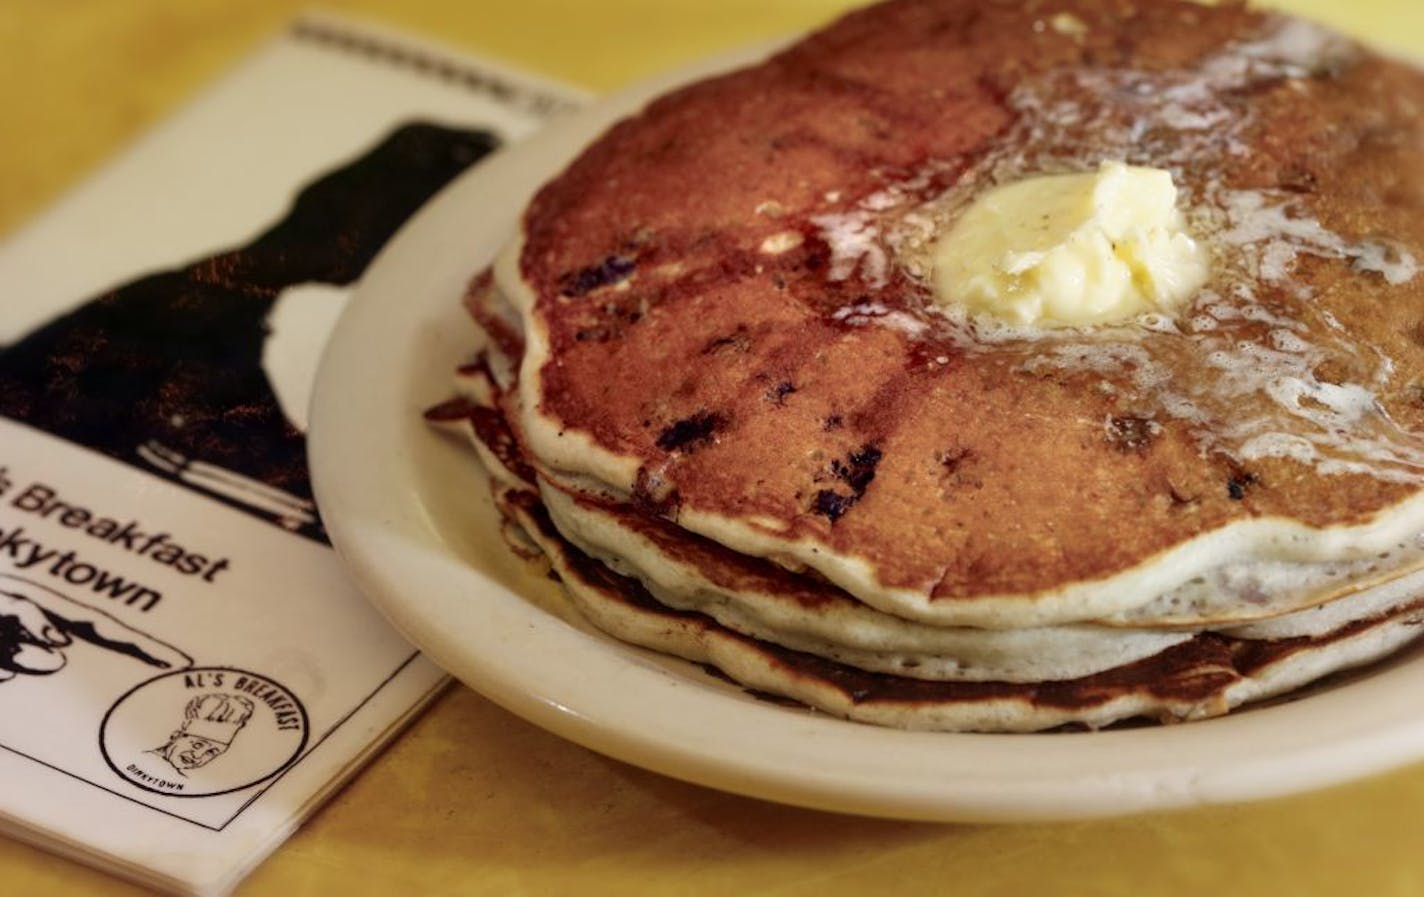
<point x="409" y="511"/>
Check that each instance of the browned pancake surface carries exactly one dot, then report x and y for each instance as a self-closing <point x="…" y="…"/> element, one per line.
<point x="738" y="381"/>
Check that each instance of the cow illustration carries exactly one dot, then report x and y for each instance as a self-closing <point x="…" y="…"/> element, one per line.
<point x="39" y="627"/>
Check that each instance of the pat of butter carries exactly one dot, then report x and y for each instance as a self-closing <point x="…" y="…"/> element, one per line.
<point x="1072" y="250"/>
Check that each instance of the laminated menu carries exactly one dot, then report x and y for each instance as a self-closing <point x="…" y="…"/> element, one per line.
<point x="185" y="669"/>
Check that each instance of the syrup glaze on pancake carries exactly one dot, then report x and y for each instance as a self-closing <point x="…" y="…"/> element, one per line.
<point x="626" y="536"/>
<point x="727" y="315"/>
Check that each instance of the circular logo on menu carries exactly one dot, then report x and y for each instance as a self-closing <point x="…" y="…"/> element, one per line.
<point x="203" y="731"/>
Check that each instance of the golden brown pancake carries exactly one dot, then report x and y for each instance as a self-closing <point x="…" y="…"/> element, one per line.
<point x="801" y="638"/>
<point x="728" y="319"/>
<point x="722" y="398"/>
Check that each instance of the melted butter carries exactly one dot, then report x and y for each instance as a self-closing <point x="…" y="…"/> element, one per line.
<point x="1256" y="369"/>
<point x="1072" y="249"/>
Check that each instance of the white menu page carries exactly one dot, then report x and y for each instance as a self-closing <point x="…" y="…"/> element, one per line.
<point x="185" y="670"/>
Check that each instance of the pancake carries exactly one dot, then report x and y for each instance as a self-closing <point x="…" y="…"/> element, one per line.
<point x="727" y="317"/>
<point x="754" y="598"/>
<point x="760" y="599"/>
<point x="1203" y="677"/>
<point x="1231" y="592"/>
<point x="721" y="397"/>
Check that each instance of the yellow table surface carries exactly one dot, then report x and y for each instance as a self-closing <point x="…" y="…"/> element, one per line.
<point x="471" y="800"/>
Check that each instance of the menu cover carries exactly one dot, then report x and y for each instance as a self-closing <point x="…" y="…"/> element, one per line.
<point x="185" y="671"/>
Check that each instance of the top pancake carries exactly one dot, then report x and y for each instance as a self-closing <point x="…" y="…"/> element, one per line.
<point x="726" y="310"/>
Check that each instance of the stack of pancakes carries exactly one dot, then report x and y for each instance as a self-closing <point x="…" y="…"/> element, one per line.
<point x="719" y="395"/>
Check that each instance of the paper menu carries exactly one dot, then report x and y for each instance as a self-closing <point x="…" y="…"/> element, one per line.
<point x="185" y="671"/>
